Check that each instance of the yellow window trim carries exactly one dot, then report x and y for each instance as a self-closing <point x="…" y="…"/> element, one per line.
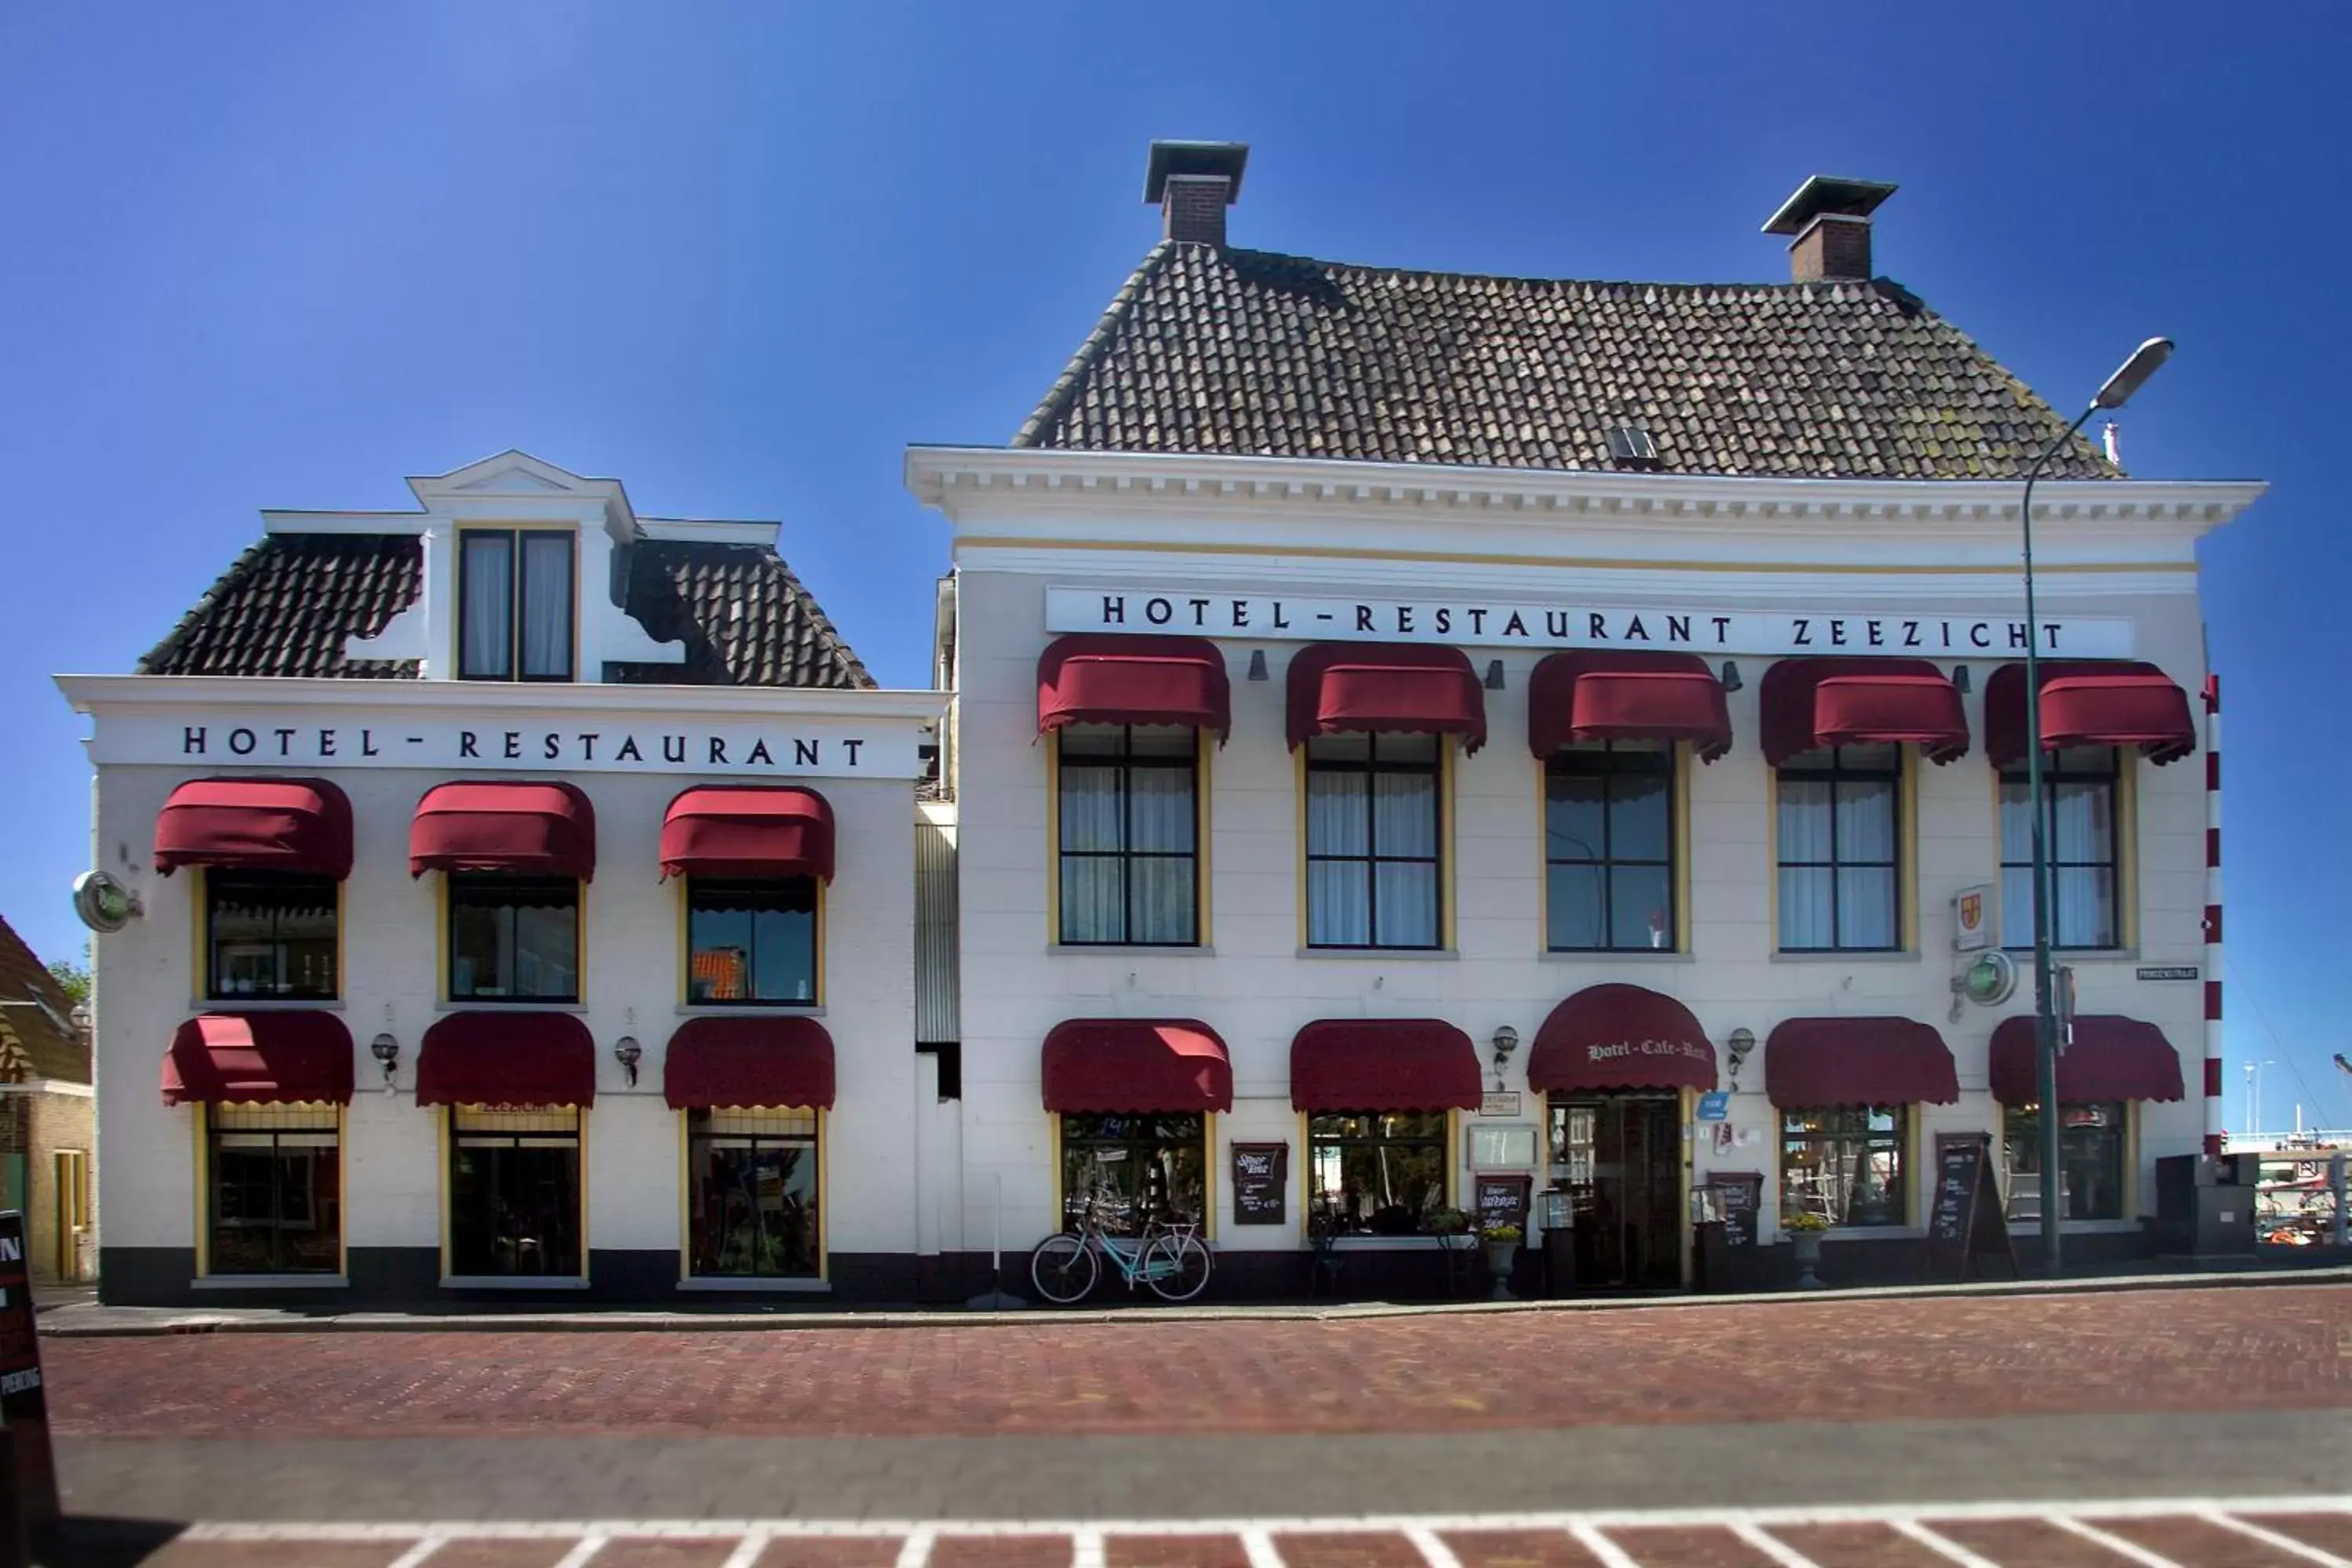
<point x="200" y="962"/>
<point x="1306" y="1162"/>
<point x="579" y="953"/>
<point x="1448" y="862"/>
<point x="1907" y="852"/>
<point x="685" y="907"/>
<point x="200" y="1123"/>
<point x="2127" y="831"/>
<point x="1203" y="746"/>
<point x="1057" y="1223"/>
<point x="1678" y="827"/>
<point x="441" y="1124"/>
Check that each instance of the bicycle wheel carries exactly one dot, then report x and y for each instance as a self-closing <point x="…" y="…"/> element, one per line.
<point x="1176" y="1266"/>
<point x="1063" y="1268"/>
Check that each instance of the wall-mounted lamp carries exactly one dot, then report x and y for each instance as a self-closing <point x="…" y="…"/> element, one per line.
<point x="1731" y="681"/>
<point x="1258" y="664"/>
<point x="1959" y="677"/>
<point x="1507" y="1040"/>
<point x="627" y="1052"/>
<point x="1742" y="1042"/>
<point x="386" y="1051"/>
<point x="1494" y="675"/>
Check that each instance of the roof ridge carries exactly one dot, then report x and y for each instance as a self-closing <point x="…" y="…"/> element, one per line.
<point x="1687" y="286"/>
<point x="822" y="625"/>
<point x="1065" y="386"/>
<point x="2086" y="450"/>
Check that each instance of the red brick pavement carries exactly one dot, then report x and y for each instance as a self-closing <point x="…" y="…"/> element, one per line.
<point x="2212" y="1350"/>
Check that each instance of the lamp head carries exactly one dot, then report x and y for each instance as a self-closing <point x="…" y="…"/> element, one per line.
<point x="628" y="1052"/>
<point x="2144" y="362"/>
<point x="1507" y="1040"/>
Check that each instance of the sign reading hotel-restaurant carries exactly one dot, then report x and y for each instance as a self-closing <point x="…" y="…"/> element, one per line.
<point x="278" y="738"/>
<point x="1919" y="634"/>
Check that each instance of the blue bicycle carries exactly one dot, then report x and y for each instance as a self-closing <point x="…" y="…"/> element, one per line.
<point x="1170" y="1258"/>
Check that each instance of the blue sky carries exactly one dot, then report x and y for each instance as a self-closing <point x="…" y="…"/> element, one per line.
<point x="739" y="255"/>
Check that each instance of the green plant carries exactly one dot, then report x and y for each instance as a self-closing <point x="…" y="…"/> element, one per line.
<point x="1445" y="1222"/>
<point x="1805" y="1222"/>
<point x="1500" y="1233"/>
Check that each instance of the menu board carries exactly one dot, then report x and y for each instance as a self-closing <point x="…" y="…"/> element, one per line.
<point x="1261" y="1182"/>
<point x="1502" y="1200"/>
<point x="1964" y="1217"/>
<point x="24" y="1402"/>
<point x="1740" y="1194"/>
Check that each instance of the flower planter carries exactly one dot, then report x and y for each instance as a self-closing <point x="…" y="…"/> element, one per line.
<point x="1809" y="1258"/>
<point x="1500" y="1257"/>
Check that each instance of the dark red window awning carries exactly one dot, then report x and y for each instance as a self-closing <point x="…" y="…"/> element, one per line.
<point x="1386" y="688"/>
<point x="1137" y="1065"/>
<point x="1858" y="1061"/>
<point x="1101" y="678"/>
<point x="1810" y="703"/>
<point x="1620" y="1037"/>
<point x="736" y="1061"/>
<point x="2112" y="1057"/>
<point x="2115" y="702"/>
<point x="752" y="830"/>
<point x="259" y="1058"/>
<point x="257" y="824"/>
<point x="1626" y="695"/>
<point x="535" y="829"/>
<point x="1384" y="1064"/>
<point x="523" y="1057"/>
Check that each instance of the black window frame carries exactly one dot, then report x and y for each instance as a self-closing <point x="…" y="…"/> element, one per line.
<point x="1371" y="766"/>
<point x="753" y="886"/>
<point x="2021" y="1133"/>
<point x="1321" y="1135"/>
<point x="455" y="883"/>
<point x="1140" y="1146"/>
<point x="1127" y="761"/>
<point x="224" y="884"/>
<point x="1606" y="760"/>
<point x="571" y="1218"/>
<point x="2057" y="767"/>
<point x="700" y="1136"/>
<point x="518" y="570"/>
<point x="322" y="1122"/>
<point x="1861" y="1134"/>
<point x="1835" y="772"/>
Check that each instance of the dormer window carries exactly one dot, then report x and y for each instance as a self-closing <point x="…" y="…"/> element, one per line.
<point x="515" y="596"/>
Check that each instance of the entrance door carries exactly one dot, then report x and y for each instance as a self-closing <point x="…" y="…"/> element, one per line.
<point x="1619" y="1157"/>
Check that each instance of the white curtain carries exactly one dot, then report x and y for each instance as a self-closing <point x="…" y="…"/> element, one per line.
<point x="1094" y="891"/>
<point x="487" y="634"/>
<point x="547" y="605"/>
<point x="1161" y="817"/>
<point x="1807" y="906"/>
<point x="1339" y="892"/>
<point x="1866" y="896"/>
<point x="1405" y="822"/>
<point x="2082" y="828"/>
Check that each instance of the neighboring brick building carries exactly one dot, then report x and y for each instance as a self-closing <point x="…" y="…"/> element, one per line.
<point x="47" y="1120"/>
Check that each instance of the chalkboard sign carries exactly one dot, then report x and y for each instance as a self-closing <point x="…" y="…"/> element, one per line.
<point x="1740" y="1195"/>
<point x="1502" y="1200"/>
<point x="1261" y="1182"/>
<point x="24" y="1402"/>
<point x="1964" y="1217"/>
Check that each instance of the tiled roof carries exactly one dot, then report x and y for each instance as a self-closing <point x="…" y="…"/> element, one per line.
<point x="289" y="603"/>
<point x="43" y="1032"/>
<point x="1248" y="352"/>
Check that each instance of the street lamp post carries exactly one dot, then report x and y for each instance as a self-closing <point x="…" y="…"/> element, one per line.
<point x="2117" y="392"/>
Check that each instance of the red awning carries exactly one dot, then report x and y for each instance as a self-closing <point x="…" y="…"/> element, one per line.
<point x="1411" y="688"/>
<point x="1384" y="1064"/>
<point x="265" y="1059"/>
<point x="1137" y="1064"/>
<point x="1101" y="678"/>
<point x="2085" y="703"/>
<point x="1631" y="695"/>
<point x="740" y="1061"/>
<point x="1858" y="1061"/>
<point x="497" y="1057"/>
<point x="257" y="824"/>
<point x="2112" y="1057"/>
<point x="754" y="830"/>
<point x="1814" y="703"/>
<point x="540" y="829"/>
<point x="1620" y="1037"/>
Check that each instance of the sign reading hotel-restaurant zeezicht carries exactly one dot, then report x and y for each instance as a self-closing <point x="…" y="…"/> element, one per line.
<point x="285" y="739"/>
<point x="1793" y="633"/>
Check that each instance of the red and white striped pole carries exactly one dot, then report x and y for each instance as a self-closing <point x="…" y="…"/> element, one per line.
<point x="2213" y="915"/>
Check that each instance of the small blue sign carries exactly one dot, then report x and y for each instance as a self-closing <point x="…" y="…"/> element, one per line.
<point x="1714" y="1105"/>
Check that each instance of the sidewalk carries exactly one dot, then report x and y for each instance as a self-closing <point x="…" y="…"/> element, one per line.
<point x="85" y="1318"/>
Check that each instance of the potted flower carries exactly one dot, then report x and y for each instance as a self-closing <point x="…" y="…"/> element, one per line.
<point x="1502" y="1251"/>
<point x="1450" y="1226"/>
<point x="1805" y="1230"/>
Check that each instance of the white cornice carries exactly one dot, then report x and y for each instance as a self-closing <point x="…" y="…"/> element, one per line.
<point x="92" y="693"/>
<point x="1007" y="489"/>
<point x="709" y="531"/>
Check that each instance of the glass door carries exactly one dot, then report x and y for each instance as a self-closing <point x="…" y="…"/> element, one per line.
<point x="1616" y="1155"/>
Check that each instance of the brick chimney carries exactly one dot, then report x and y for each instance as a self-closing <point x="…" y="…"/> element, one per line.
<point x="1192" y="183"/>
<point x="1830" y="220"/>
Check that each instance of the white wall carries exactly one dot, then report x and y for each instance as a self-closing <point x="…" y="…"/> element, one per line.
<point x="1256" y="990"/>
<point x="148" y="982"/>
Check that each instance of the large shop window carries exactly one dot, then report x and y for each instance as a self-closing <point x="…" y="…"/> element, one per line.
<point x="2090" y="1159"/>
<point x="1373" y="826"/>
<point x="1840" y="862"/>
<point x="269" y="934"/>
<point x="751" y="940"/>
<point x="515" y="594"/>
<point x="513" y="939"/>
<point x="753" y="1193"/>
<point x="1608" y="835"/>
<point x="275" y="1198"/>
<point x="1375" y="1172"/>
<point x="1844" y="1163"/>
<point x="1130" y="851"/>
<point x="1140" y="1166"/>
<point x="2078" y="794"/>
<point x="514" y="1192"/>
